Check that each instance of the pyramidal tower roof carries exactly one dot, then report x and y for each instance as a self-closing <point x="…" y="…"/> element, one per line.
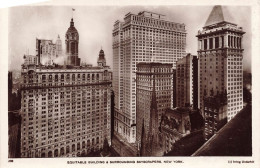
<point x="219" y="14"/>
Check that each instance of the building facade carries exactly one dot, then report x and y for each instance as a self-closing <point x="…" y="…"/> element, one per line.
<point x="220" y="61"/>
<point x="187" y="82"/>
<point x="145" y="37"/>
<point x="215" y="114"/>
<point x="30" y="60"/>
<point x="65" y="110"/>
<point x="145" y="76"/>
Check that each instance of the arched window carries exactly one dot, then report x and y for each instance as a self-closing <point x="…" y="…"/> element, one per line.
<point x="88" y="143"/>
<point x="62" y="152"/>
<point x="67" y="149"/>
<point x="62" y="77"/>
<point x="73" y="147"/>
<point x="78" y="146"/>
<point x="56" y="153"/>
<point x="68" y="77"/>
<point x="93" y="141"/>
<point x="50" y="154"/>
<point x="56" y="78"/>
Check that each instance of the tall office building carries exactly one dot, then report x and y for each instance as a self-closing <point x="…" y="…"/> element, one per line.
<point x="145" y="37"/>
<point x="187" y="82"/>
<point x="65" y="111"/>
<point x="220" y="60"/>
<point x="47" y="51"/>
<point x="152" y="77"/>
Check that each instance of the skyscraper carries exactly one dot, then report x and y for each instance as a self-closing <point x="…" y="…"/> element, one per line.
<point x="144" y="37"/>
<point x="65" y="111"/>
<point x="220" y="60"/>
<point x="187" y="82"/>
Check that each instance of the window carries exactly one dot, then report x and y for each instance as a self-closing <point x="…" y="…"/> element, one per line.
<point x="205" y="44"/>
<point x="211" y="43"/>
<point x="217" y="42"/>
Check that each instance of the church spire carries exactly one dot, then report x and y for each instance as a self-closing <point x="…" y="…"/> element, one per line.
<point x="153" y="102"/>
<point x="153" y="125"/>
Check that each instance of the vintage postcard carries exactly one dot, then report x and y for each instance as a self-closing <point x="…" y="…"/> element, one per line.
<point x="147" y="84"/>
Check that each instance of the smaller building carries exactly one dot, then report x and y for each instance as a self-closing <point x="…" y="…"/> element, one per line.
<point x="174" y="125"/>
<point x="215" y="114"/>
<point x="30" y="60"/>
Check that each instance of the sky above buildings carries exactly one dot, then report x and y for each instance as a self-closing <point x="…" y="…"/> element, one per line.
<point x="95" y="25"/>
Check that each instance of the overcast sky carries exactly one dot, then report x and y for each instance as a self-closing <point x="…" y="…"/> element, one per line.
<point x="95" y="24"/>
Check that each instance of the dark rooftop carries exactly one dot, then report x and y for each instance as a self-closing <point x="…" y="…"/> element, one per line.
<point x="234" y="139"/>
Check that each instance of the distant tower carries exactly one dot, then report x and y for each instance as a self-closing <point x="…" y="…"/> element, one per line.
<point x="58" y="47"/>
<point x="220" y="60"/>
<point x="101" y="59"/>
<point x="72" y="43"/>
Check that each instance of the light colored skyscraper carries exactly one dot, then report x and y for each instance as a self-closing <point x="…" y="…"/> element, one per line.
<point x="145" y="37"/>
<point x="220" y="60"/>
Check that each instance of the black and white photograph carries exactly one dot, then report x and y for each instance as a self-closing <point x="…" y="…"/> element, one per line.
<point x="125" y="84"/>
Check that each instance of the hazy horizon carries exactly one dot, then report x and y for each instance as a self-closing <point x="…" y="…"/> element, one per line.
<point x="95" y="25"/>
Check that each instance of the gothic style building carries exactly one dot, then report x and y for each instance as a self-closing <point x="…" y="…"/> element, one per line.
<point x="220" y="55"/>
